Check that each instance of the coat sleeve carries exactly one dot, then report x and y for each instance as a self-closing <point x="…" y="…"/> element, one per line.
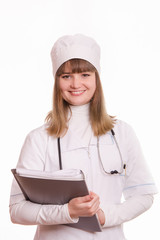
<point x="138" y="180"/>
<point x="32" y="156"/>
<point x="139" y="185"/>
<point x="119" y="213"/>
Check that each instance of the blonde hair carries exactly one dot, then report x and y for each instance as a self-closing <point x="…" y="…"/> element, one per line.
<point x="57" y="119"/>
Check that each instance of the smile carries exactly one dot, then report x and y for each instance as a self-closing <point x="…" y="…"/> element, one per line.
<point x="77" y="93"/>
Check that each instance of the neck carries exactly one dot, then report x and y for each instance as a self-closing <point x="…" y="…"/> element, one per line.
<point x="80" y="108"/>
<point x="79" y="122"/>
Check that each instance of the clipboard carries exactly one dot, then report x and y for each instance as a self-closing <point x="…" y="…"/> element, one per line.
<point x="56" y="188"/>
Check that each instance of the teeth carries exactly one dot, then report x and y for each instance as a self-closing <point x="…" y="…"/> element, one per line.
<point x="77" y="92"/>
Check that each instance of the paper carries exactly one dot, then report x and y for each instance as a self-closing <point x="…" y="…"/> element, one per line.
<point x="66" y="174"/>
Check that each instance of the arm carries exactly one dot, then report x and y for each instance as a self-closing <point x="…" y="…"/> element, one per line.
<point x="128" y="210"/>
<point x="111" y="215"/>
<point x="25" y="212"/>
<point x="28" y="213"/>
<point x="139" y="186"/>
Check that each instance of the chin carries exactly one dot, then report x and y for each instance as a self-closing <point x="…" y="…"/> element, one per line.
<point x="79" y="103"/>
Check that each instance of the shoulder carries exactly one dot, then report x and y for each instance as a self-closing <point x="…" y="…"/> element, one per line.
<point x="123" y="129"/>
<point x="33" y="151"/>
<point x="38" y="134"/>
<point x="121" y="126"/>
<point x="125" y="133"/>
<point x="39" y="130"/>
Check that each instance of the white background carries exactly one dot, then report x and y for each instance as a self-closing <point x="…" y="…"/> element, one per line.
<point x="129" y="35"/>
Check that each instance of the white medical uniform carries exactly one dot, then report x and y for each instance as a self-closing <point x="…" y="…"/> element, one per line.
<point x="79" y="150"/>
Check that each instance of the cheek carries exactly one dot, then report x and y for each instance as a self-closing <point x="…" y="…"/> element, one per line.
<point x="92" y="86"/>
<point x="62" y="86"/>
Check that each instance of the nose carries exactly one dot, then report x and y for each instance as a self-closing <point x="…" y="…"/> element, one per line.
<point x="76" y="82"/>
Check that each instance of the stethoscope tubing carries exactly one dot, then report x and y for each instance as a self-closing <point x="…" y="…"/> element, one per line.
<point x="123" y="166"/>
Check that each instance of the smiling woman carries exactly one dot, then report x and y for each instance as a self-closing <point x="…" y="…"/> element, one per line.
<point x="77" y="82"/>
<point x="90" y="140"/>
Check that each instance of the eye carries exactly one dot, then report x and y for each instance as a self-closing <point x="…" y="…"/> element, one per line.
<point x="65" y="76"/>
<point x="85" y="74"/>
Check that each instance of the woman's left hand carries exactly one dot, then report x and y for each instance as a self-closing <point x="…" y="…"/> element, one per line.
<point x="101" y="216"/>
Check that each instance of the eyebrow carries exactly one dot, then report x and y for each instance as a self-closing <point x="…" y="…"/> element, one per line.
<point x="75" y="72"/>
<point x="67" y="73"/>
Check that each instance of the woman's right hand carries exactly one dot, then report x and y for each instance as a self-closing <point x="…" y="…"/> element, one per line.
<point x="85" y="206"/>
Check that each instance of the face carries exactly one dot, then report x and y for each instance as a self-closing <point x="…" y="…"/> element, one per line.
<point x="77" y="88"/>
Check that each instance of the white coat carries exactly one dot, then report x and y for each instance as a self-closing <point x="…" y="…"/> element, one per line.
<point x="40" y="152"/>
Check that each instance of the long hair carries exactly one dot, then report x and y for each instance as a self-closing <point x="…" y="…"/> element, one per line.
<point x="57" y="119"/>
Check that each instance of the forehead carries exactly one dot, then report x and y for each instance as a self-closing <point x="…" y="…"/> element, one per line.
<point x="67" y="67"/>
<point x="76" y="66"/>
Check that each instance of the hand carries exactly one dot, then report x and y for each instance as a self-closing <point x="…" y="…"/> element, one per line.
<point x="85" y="206"/>
<point x="101" y="217"/>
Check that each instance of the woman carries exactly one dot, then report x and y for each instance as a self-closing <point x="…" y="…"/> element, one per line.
<point x="106" y="149"/>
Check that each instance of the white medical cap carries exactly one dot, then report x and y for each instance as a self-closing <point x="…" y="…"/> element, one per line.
<point x="75" y="46"/>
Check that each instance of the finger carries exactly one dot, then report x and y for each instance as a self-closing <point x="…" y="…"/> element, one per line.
<point x="92" y="210"/>
<point x="101" y="216"/>
<point x="77" y="207"/>
<point x="95" y="198"/>
<point x="91" y="207"/>
<point x="92" y="194"/>
<point x="84" y="199"/>
<point x="96" y="205"/>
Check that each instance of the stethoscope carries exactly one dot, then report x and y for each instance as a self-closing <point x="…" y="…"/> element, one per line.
<point x="123" y="166"/>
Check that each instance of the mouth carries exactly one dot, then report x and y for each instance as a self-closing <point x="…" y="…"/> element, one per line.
<point x="77" y="93"/>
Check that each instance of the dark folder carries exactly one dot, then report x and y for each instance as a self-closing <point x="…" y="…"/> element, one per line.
<point x="42" y="188"/>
